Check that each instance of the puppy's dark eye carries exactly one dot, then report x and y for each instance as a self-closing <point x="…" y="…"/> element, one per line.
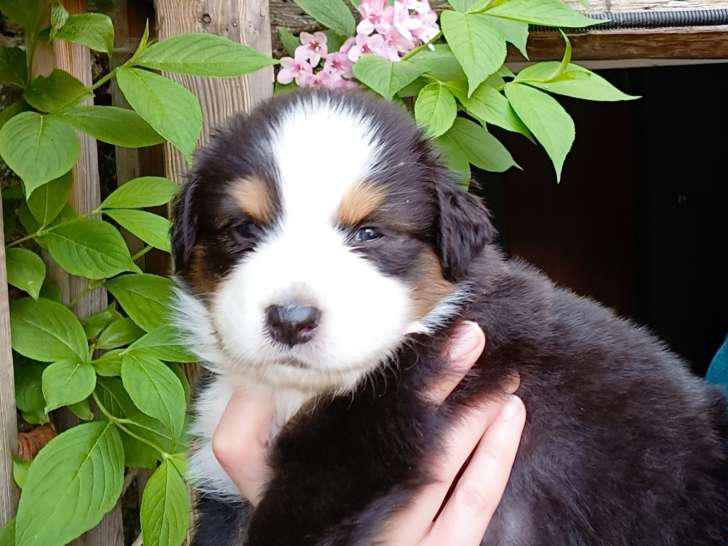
<point x="247" y="230"/>
<point x="366" y="234"/>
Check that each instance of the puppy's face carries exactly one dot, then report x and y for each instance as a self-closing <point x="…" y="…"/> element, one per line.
<point x="314" y="236"/>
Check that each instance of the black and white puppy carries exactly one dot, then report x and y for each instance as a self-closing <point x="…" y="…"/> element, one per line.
<point x="323" y="250"/>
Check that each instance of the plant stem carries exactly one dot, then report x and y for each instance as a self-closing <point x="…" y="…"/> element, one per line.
<point x="43" y="231"/>
<point x="120" y="423"/>
<point x="141" y="253"/>
<point x="420" y="47"/>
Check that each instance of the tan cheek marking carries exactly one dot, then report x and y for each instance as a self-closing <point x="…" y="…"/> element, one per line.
<point x="358" y="203"/>
<point x="251" y="194"/>
<point x="201" y="279"/>
<point x="430" y="286"/>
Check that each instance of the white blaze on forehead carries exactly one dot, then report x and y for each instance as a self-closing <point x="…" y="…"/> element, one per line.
<point x="322" y="149"/>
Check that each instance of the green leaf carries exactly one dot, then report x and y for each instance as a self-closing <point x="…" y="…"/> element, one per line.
<point x="59" y="16"/>
<point x="165" y="510"/>
<point x="153" y="229"/>
<point x="28" y="13"/>
<point x="155" y="390"/>
<point x="164" y="343"/>
<point x="119" y="333"/>
<point x="456" y="159"/>
<point x="203" y="54"/>
<point x="549" y="13"/>
<point x="147" y="191"/>
<point x="94" y="324"/>
<point x="51" y="291"/>
<point x="333" y="14"/>
<point x="468" y="5"/>
<point x="55" y="92"/>
<point x="480" y="147"/>
<point x="12" y="110"/>
<point x="435" y="109"/>
<point x="82" y="410"/>
<point x="89" y="248"/>
<point x="46" y="330"/>
<point x="383" y="76"/>
<point x="13" y="67"/>
<point x="490" y="106"/>
<point x="7" y="533"/>
<point x="72" y="483"/>
<point x="113" y="125"/>
<point x="116" y="400"/>
<point x="67" y="382"/>
<point x="46" y="202"/>
<point x="546" y="119"/>
<point x="575" y="81"/>
<point x="94" y="30"/>
<point x="289" y="41"/>
<point x="168" y="107"/>
<point x="109" y="364"/>
<point x="28" y="385"/>
<point x="514" y="32"/>
<point x="144" y="297"/>
<point x="26" y="270"/>
<point x="477" y="44"/>
<point x="38" y="148"/>
<point x="334" y="40"/>
<point x="20" y="473"/>
<point x="439" y="62"/>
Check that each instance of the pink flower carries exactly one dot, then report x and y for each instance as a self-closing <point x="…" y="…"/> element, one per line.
<point x="371" y="44"/>
<point x="347" y="45"/>
<point x="338" y="63"/>
<point x="420" y="26"/>
<point x="396" y="41"/>
<point x="375" y="15"/>
<point x="313" y="47"/>
<point x="291" y="69"/>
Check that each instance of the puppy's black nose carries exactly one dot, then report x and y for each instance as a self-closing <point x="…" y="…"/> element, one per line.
<point x="293" y="323"/>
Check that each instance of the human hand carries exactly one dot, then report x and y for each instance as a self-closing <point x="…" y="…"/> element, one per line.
<point x="491" y="431"/>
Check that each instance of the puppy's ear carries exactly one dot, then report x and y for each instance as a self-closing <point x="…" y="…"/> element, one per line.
<point x="463" y="229"/>
<point x="185" y="224"/>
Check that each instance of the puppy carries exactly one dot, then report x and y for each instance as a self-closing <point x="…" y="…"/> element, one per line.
<point x="323" y="250"/>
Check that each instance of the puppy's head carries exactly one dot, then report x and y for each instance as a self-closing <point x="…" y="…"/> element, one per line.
<point x="314" y="235"/>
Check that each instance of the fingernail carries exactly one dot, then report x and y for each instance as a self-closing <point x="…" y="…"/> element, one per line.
<point x="512" y="407"/>
<point x="464" y="341"/>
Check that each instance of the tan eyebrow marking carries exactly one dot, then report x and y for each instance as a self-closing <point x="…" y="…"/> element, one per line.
<point x="358" y="203"/>
<point x="252" y="195"/>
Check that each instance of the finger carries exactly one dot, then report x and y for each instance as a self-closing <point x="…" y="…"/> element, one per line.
<point x="463" y="351"/>
<point x="410" y="526"/>
<point x="467" y="513"/>
<point x="240" y="441"/>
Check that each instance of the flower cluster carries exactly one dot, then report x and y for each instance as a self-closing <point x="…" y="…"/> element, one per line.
<point x="387" y="30"/>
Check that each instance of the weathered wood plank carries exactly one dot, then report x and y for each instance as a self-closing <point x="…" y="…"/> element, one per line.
<point x="673" y="43"/>
<point x="85" y="196"/>
<point x="244" y="21"/>
<point x="8" y="415"/>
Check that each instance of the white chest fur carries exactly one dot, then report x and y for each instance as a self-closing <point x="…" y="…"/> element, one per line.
<point x="204" y="470"/>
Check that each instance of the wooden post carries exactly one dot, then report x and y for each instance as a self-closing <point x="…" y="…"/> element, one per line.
<point x="246" y="21"/>
<point x="8" y="416"/>
<point x="85" y="196"/>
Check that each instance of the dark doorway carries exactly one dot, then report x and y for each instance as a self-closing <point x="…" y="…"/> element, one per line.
<point x="640" y="218"/>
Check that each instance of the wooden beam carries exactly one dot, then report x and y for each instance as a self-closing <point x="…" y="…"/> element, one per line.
<point x="664" y="43"/>
<point x="245" y="21"/>
<point x="85" y="196"/>
<point x="8" y="414"/>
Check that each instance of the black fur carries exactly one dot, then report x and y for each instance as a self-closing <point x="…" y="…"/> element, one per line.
<point x="622" y="445"/>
